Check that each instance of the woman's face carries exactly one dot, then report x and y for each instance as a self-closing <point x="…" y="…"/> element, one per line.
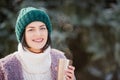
<point x="36" y="35"/>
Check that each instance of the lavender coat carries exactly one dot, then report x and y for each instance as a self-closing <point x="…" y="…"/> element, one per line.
<point x="10" y="66"/>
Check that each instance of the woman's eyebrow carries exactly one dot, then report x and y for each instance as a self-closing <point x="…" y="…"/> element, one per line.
<point x="42" y="25"/>
<point x="30" y="27"/>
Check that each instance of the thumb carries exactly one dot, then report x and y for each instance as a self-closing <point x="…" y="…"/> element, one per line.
<point x="56" y="68"/>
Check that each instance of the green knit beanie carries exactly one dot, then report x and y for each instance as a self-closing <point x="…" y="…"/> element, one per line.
<point x="28" y="15"/>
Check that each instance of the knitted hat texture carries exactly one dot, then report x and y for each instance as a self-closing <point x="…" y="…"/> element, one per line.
<point x="28" y="15"/>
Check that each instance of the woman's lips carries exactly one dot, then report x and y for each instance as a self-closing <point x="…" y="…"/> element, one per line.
<point x="38" y="40"/>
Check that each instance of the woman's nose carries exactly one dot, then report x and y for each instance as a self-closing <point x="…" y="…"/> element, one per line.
<point x="38" y="32"/>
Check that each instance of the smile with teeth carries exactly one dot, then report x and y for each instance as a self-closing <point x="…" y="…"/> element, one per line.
<point x="38" y="40"/>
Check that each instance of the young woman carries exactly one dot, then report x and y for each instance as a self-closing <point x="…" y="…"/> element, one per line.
<point x="35" y="59"/>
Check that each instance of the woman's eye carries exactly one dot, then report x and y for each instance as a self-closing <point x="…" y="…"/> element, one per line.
<point x="42" y="28"/>
<point x="30" y="29"/>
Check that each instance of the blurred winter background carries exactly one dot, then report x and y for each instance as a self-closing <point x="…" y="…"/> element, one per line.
<point x="86" y="30"/>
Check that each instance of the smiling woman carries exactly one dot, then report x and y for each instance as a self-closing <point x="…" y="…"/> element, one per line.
<point x="35" y="59"/>
<point x="36" y="36"/>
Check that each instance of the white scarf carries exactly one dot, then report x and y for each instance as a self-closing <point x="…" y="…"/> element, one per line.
<point x="34" y="63"/>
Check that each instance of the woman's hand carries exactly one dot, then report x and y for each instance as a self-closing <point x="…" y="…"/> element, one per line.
<point x="70" y="73"/>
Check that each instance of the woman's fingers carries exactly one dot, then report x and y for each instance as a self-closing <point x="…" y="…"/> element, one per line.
<point x="70" y="73"/>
